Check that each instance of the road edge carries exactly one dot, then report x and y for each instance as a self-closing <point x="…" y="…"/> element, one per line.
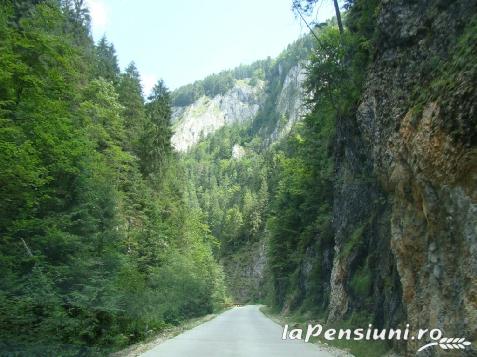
<point x="281" y="320"/>
<point x="139" y="348"/>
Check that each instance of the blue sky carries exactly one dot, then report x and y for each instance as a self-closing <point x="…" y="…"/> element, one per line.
<point x="185" y="40"/>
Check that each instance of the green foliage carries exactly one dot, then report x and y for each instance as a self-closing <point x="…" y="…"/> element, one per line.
<point x="106" y="61"/>
<point x="232" y="192"/>
<point x="302" y="168"/>
<point x="155" y="140"/>
<point x="99" y="247"/>
<point x="301" y="211"/>
<point x="336" y="71"/>
<point x="361" y="19"/>
<point x="300" y="219"/>
<point x="274" y="74"/>
<point x="361" y="281"/>
<point x="220" y="83"/>
<point x="282" y="195"/>
<point x="354" y="242"/>
<point x="131" y="98"/>
<point x="455" y="73"/>
<point x="210" y="86"/>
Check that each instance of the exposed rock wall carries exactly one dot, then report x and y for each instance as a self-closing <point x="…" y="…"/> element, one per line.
<point x="290" y="101"/>
<point x="245" y="271"/>
<point x="239" y="105"/>
<point x="206" y="115"/>
<point x="238" y="152"/>
<point x="416" y="207"/>
<point x="361" y="216"/>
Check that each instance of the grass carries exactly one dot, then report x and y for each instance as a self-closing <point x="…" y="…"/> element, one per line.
<point x="170" y="332"/>
<point x="353" y="242"/>
<point x="356" y="348"/>
<point x="361" y="281"/>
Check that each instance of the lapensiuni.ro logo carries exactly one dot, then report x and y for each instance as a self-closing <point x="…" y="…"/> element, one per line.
<point x="432" y="337"/>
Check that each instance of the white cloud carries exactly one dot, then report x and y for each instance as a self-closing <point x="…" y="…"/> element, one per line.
<point x="148" y="82"/>
<point x="99" y="14"/>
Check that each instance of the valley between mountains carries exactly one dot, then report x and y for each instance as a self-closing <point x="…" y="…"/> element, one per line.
<point x="335" y="183"/>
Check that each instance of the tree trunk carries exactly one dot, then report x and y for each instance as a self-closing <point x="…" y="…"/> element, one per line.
<point x="338" y="16"/>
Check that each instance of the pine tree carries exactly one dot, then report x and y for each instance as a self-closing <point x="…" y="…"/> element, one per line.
<point x="106" y="61"/>
<point x="87" y="244"/>
<point x="130" y="96"/>
<point x="156" y="138"/>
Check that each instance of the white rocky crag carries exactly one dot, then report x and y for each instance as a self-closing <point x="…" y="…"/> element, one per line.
<point x="290" y="102"/>
<point x="239" y="105"/>
<point x="238" y="152"/>
<point x="206" y="115"/>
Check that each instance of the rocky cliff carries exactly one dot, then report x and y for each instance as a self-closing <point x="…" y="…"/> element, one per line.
<point x="206" y="115"/>
<point x="289" y="104"/>
<point x="245" y="273"/>
<point x="414" y="139"/>
<point x="240" y="104"/>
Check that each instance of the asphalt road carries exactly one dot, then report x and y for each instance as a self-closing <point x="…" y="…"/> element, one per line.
<point x="239" y="332"/>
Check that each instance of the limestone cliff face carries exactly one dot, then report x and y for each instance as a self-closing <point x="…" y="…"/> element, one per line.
<point x="206" y="115"/>
<point x="419" y="153"/>
<point x="290" y="102"/>
<point x="239" y="105"/>
<point x="245" y="272"/>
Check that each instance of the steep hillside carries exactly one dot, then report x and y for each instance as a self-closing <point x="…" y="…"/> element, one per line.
<point x="266" y="96"/>
<point x="403" y="204"/>
<point x="227" y="135"/>
<point x="206" y="115"/>
<point x="417" y="120"/>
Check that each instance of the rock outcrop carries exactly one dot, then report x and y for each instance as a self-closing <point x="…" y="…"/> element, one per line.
<point x="240" y="105"/>
<point x="238" y="152"/>
<point x="207" y="115"/>
<point x="413" y="139"/>
<point x="245" y="271"/>
<point x="289" y="105"/>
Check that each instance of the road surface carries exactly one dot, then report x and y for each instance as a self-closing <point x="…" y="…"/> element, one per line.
<point x="239" y="332"/>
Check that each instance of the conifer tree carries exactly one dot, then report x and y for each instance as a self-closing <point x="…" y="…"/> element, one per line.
<point x="106" y="61"/>
<point x="131" y="97"/>
<point x="155" y="140"/>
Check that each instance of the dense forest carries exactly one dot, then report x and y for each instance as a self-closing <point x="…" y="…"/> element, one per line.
<point x="281" y="194"/>
<point x="348" y="197"/>
<point x="235" y="191"/>
<point x="100" y="246"/>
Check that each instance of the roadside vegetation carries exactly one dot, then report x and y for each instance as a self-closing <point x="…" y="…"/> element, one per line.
<point x="355" y="348"/>
<point x="100" y="246"/>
